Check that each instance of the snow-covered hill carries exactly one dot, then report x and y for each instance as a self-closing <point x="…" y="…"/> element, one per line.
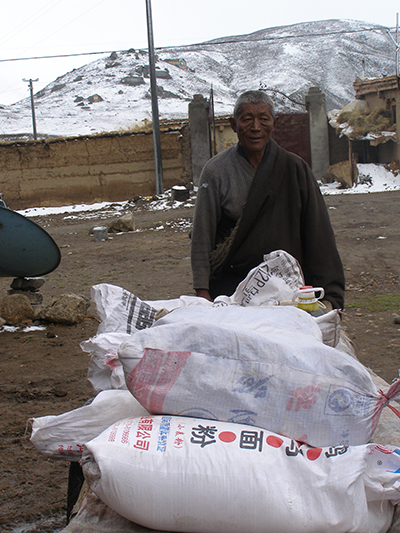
<point x="113" y="93"/>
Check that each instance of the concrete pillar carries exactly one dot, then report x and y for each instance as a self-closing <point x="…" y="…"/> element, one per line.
<point x="319" y="136"/>
<point x="397" y="111"/>
<point x="199" y="135"/>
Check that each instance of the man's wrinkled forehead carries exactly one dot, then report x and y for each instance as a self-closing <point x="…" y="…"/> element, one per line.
<point x="247" y="108"/>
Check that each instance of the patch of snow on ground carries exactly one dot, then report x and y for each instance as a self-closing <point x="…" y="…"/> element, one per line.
<point x="161" y="202"/>
<point x="371" y="178"/>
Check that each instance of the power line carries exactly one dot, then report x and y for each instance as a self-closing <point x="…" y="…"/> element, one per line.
<point x="68" y="23"/>
<point x="26" y="23"/>
<point x="213" y="43"/>
<point x="278" y="37"/>
<point x="61" y="55"/>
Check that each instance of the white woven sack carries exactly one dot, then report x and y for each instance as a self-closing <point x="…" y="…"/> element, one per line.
<point x="63" y="436"/>
<point x="195" y="475"/>
<point x="254" y="372"/>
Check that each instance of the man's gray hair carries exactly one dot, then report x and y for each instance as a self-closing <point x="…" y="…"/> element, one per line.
<point x="252" y="97"/>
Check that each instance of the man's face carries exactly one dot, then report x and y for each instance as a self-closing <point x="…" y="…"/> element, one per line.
<point x="254" y="127"/>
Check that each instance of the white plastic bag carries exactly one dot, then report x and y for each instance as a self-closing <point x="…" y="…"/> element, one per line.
<point x="203" y="476"/>
<point x="63" y="436"/>
<point x="196" y="363"/>
<point x="104" y="369"/>
<point x="122" y="314"/>
<point x="120" y="310"/>
<point x="274" y="280"/>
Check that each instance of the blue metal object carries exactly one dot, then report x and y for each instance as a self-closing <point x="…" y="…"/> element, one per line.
<point x="26" y="249"/>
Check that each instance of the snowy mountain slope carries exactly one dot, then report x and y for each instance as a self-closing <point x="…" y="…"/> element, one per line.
<point x="286" y="59"/>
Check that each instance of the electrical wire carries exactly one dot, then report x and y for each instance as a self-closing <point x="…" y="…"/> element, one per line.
<point x="199" y="46"/>
<point x="60" y="56"/>
<point x="68" y="23"/>
<point x="27" y="22"/>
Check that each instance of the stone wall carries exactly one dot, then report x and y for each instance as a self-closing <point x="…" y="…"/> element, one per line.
<point x="112" y="167"/>
<point x="291" y="131"/>
<point x="116" y="167"/>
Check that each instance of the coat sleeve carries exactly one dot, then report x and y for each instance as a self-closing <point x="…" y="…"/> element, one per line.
<point x="207" y="213"/>
<point x="322" y="265"/>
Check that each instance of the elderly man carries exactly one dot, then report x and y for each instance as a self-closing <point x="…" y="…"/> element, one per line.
<point x="253" y="198"/>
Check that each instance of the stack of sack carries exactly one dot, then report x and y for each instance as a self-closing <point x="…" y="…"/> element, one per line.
<point x="238" y="415"/>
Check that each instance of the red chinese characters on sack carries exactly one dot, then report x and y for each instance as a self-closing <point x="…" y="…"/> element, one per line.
<point x="302" y="398"/>
<point x="179" y="436"/>
<point x="143" y="433"/>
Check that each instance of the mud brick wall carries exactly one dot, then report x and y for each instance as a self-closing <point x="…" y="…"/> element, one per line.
<point x="80" y="170"/>
<point x="292" y="132"/>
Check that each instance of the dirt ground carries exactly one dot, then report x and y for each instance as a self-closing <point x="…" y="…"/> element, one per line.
<point x="44" y="372"/>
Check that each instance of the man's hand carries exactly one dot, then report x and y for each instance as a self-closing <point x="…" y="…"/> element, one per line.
<point x="328" y="306"/>
<point x="203" y="293"/>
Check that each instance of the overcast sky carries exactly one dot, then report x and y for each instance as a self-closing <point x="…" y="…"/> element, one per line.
<point x="58" y="27"/>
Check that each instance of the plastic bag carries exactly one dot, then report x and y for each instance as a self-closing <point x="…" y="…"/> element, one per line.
<point x="63" y="436"/>
<point x="276" y="279"/>
<point x="122" y="314"/>
<point x="204" y="476"/>
<point x="104" y="369"/>
<point x="120" y="310"/>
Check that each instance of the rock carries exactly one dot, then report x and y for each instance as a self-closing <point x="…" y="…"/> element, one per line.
<point x="57" y="87"/>
<point x="341" y="172"/>
<point x="132" y="80"/>
<point x="95" y="98"/>
<point x="124" y="223"/>
<point x="27" y="284"/>
<point x="87" y="300"/>
<point x="397" y="319"/>
<point x="68" y="309"/>
<point x="34" y="297"/>
<point x="15" y="308"/>
<point x="2" y="321"/>
<point x="113" y="64"/>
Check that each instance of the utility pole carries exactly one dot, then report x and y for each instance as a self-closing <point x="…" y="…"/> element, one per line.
<point x="154" y="103"/>
<point x="211" y="121"/>
<point x="397" y="44"/>
<point x="30" y="82"/>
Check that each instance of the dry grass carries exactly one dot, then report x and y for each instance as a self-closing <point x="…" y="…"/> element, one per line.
<point x="363" y="123"/>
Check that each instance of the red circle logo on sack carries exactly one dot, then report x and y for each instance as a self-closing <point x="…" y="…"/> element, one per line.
<point x="227" y="436"/>
<point x="273" y="441"/>
<point x="313" y="453"/>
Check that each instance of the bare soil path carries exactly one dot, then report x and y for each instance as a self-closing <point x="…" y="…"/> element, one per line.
<point x="44" y="372"/>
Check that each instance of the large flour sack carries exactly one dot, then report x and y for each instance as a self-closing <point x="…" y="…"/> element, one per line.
<point x="256" y="372"/>
<point x="196" y="475"/>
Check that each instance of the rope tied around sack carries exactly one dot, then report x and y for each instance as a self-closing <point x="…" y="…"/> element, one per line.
<point x="392" y="392"/>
